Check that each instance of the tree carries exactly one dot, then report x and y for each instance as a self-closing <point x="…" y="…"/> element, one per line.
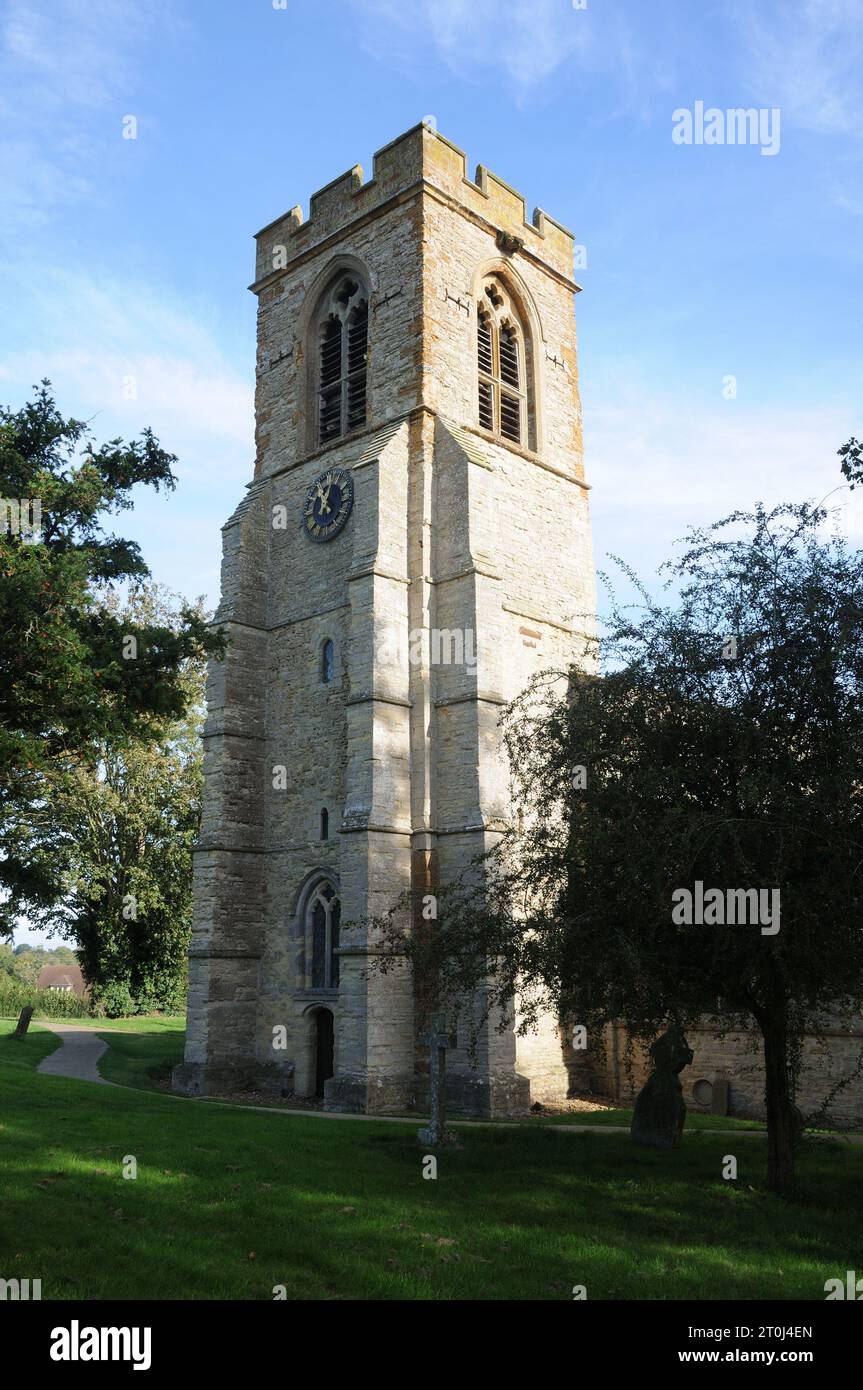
<point x="851" y="455"/>
<point x="123" y="822"/>
<point x="67" y="682"/>
<point x="722" y="745"/>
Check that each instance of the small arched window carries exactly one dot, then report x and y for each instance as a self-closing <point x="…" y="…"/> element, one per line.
<point x="502" y="365"/>
<point x="343" y="343"/>
<point x="323" y="927"/>
<point x="325" y="824"/>
<point x="328" y="663"/>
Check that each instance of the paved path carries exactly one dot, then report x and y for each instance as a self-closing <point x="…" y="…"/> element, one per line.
<point x="78" y="1055"/>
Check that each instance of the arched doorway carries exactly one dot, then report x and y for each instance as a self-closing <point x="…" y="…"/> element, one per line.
<point x="324" y="1049"/>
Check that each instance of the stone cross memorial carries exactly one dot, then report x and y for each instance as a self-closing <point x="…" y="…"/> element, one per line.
<point x="438" y="1040"/>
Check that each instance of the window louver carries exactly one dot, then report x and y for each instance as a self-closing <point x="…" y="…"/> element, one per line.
<point x="486" y="361"/>
<point x="502" y="404"/>
<point x="343" y="365"/>
<point x="486" y="406"/>
<point x="358" y="337"/>
<point x="509" y="357"/>
<point x="510" y="418"/>
<point x="331" y="371"/>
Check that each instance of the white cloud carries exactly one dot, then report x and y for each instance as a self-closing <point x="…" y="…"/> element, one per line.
<point x="528" y="41"/>
<point x="805" y="57"/>
<point x="660" y="464"/>
<point x="93" y="339"/>
<point x="118" y="352"/>
<point x="66" y="69"/>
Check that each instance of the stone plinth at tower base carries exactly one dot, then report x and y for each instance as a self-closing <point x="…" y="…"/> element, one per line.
<point x="212" y="1079"/>
<point x="466" y="1094"/>
<point x="372" y="1095"/>
<point x="499" y="1095"/>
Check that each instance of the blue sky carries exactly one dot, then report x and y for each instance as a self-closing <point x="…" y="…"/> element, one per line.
<point x="130" y="258"/>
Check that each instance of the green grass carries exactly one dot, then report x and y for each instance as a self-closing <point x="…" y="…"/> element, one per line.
<point x="25" y="1054"/>
<point x="144" y="1055"/>
<point x="695" y="1120"/>
<point x="229" y="1203"/>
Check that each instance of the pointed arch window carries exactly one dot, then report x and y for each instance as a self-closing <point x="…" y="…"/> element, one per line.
<point x="502" y="360"/>
<point x="343" y="347"/>
<point x="323" y="915"/>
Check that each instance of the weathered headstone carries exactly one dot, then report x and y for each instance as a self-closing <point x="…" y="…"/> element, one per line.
<point x="23" y="1022"/>
<point x="660" y="1110"/>
<point x="719" y="1104"/>
<point x="438" y="1040"/>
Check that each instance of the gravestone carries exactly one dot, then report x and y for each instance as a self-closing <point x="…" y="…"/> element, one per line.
<point x="438" y="1040"/>
<point x="660" y="1110"/>
<point x="721" y="1096"/>
<point x="23" y="1022"/>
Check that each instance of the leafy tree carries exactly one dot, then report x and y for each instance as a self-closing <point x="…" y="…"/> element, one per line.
<point x="851" y="455"/>
<point x="66" y="683"/>
<point x="123" y="821"/>
<point x="26" y="962"/>
<point x="723" y="744"/>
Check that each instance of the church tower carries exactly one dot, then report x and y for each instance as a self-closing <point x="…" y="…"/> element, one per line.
<point x="414" y="545"/>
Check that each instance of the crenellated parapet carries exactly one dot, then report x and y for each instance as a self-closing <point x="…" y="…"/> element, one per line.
<point x="420" y="160"/>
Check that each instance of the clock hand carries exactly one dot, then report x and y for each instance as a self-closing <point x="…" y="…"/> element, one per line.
<point x="325" y="506"/>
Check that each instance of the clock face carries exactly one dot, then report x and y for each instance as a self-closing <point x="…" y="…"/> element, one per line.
<point x="328" y="504"/>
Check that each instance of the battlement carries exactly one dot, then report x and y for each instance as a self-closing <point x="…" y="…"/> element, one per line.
<point x="419" y="159"/>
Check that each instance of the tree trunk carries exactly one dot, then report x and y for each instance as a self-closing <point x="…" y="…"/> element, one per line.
<point x="781" y="1112"/>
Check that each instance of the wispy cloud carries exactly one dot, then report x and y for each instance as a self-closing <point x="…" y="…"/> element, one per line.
<point x="661" y="463"/>
<point x="526" y="41"/>
<point x="122" y="356"/>
<point x="806" y="57"/>
<point x="66" y="67"/>
<point x="140" y="360"/>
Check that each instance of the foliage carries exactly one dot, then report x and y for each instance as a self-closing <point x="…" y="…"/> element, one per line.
<point x="27" y="962"/>
<point x="16" y="995"/>
<point x="66" y="685"/>
<point x="723" y="744"/>
<point x="124" y="821"/>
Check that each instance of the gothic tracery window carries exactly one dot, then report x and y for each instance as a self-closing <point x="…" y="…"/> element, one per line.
<point x="343" y="342"/>
<point x="323" y="915"/>
<point x="501" y="365"/>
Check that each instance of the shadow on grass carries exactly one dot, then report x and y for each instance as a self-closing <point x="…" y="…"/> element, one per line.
<point x="232" y="1204"/>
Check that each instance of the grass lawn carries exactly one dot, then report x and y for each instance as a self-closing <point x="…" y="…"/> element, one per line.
<point x="623" y="1118"/>
<point x="230" y="1203"/>
<point x="143" y="1052"/>
<point x="25" y="1054"/>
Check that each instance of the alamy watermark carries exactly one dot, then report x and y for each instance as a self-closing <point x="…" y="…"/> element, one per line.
<point x="729" y="907"/>
<point x="436" y="646"/>
<point x="21" y="516"/>
<point x="736" y="126"/>
<point x="20" y="1290"/>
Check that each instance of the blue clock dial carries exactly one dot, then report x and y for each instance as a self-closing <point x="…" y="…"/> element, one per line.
<point x="328" y="504"/>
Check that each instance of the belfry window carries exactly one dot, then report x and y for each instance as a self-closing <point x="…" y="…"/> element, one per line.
<point x="323" y="925"/>
<point x="343" y="344"/>
<point x="501" y="366"/>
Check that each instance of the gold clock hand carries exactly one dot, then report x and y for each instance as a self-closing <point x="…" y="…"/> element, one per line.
<point x="325" y="506"/>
